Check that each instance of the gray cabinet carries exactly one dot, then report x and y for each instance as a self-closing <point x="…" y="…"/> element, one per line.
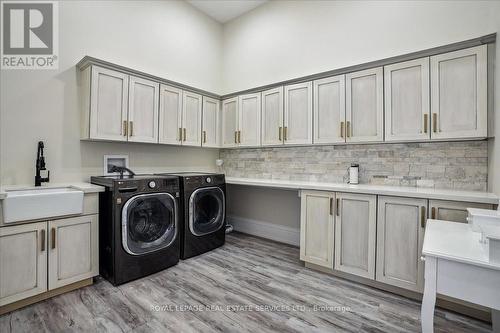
<point x="400" y="233"/>
<point x="298" y="117"/>
<point x="355" y="233"/>
<point x="329" y="110"/>
<point x="210" y="136"/>
<point x="272" y="117"/>
<point x="170" y="119"/>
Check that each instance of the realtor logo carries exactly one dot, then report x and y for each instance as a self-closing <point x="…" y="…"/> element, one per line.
<point x="29" y="35"/>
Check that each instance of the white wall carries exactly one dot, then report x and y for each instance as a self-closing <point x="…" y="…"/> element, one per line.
<point x="170" y="39"/>
<point x="285" y="39"/>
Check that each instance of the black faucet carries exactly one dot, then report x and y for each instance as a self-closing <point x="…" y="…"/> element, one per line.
<point x="40" y="165"/>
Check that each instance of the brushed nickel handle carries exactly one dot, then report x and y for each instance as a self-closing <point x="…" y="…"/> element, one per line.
<point x="285" y="133"/>
<point x="180" y="134"/>
<point x="131" y="128"/>
<point x="184" y="133"/>
<point x="204" y="136"/>
<point x="280" y="133"/>
<point x="426" y="120"/>
<point x="341" y="129"/>
<point x="331" y="207"/>
<point x="42" y="240"/>
<point x="53" y="238"/>
<point x="125" y="126"/>
<point x="422" y="217"/>
<point x="434" y="122"/>
<point x="433" y="213"/>
<point x="348" y="129"/>
<point x="337" y="206"/>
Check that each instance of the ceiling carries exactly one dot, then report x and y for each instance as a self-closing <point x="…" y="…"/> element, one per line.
<point x="225" y="10"/>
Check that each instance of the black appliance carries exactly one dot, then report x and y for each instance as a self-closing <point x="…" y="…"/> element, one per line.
<point x="138" y="225"/>
<point x="203" y="198"/>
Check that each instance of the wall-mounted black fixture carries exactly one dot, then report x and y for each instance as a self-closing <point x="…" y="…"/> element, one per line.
<point x="40" y="165"/>
<point x="121" y="170"/>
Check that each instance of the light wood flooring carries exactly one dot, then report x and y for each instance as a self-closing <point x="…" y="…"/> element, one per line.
<point x="228" y="290"/>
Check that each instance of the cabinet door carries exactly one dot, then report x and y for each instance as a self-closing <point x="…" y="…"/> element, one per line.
<point x="298" y="114"/>
<point x="400" y="233"/>
<point x="249" y="120"/>
<point x="455" y="211"/>
<point x="407" y="100"/>
<point x="73" y="250"/>
<point x="329" y="110"/>
<point x="170" y="131"/>
<point x="364" y="106"/>
<point x="211" y="119"/>
<point x="355" y="232"/>
<point x="317" y="227"/>
<point x="272" y="117"/>
<point x="23" y="261"/>
<point x="191" y="119"/>
<point x="108" y="105"/>
<point x="459" y="94"/>
<point x="143" y="110"/>
<point x="229" y="122"/>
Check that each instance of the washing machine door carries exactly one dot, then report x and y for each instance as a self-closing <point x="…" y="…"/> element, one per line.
<point x="207" y="209"/>
<point x="149" y="223"/>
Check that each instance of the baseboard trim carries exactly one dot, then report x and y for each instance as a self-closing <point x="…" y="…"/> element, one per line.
<point x="266" y="230"/>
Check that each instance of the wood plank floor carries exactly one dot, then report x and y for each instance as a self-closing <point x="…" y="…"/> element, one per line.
<point x="228" y="290"/>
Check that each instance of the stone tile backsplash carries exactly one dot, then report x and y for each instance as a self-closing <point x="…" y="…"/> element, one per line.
<point x="452" y="165"/>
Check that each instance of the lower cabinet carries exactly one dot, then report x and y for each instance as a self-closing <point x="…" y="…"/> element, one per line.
<point x="38" y="257"/>
<point x="73" y="250"/>
<point x="355" y="233"/>
<point x="400" y="234"/>
<point x="316" y="226"/>
<point x="452" y="210"/>
<point x="23" y="261"/>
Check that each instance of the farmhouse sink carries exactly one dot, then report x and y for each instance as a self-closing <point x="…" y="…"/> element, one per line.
<point x="41" y="203"/>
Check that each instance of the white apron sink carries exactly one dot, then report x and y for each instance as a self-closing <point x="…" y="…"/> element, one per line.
<point x="41" y="203"/>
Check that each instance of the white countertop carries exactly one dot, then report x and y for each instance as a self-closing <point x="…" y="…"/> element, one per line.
<point x="457" y="242"/>
<point x="81" y="186"/>
<point x="400" y="191"/>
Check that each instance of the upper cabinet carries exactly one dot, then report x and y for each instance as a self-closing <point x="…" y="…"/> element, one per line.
<point x="272" y="117"/>
<point x="143" y="110"/>
<point x="298" y="114"/>
<point x="329" y="110"/>
<point x="364" y="106"/>
<point x="170" y="131"/>
<point x="229" y="122"/>
<point x="459" y="94"/>
<point x="210" y="135"/>
<point x="241" y="121"/>
<point x="191" y="119"/>
<point x="407" y="100"/>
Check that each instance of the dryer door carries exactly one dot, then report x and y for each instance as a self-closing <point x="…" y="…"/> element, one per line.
<point x="149" y="223"/>
<point x="207" y="209"/>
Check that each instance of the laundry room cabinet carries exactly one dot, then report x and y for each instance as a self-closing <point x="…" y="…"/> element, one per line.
<point x="355" y="234"/>
<point x="143" y="110"/>
<point x="459" y="94"/>
<point x="365" y="106"/>
<point x="317" y="227"/>
<point x="272" y="117"/>
<point x="298" y="115"/>
<point x="407" y="102"/>
<point x="210" y="135"/>
<point x="170" y="115"/>
<point x="329" y="110"/>
<point x="241" y="121"/>
<point x="400" y="234"/>
<point x="191" y="118"/>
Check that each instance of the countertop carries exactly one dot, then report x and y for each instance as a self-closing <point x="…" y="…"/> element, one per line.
<point x="81" y="186"/>
<point x="400" y="191"/>
<point x="456" y="242"/>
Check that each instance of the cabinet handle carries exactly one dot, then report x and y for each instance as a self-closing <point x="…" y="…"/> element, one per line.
<point x="42" y="240"/>
<point x="433" y="213"/>
<point x="331" y="207"/>
<point x="124" y="128"/>
<point x="422" y="217"/>
<point x="180" y="134"/>
<point x="204" y="136"/>
<point x="337" y="206"/>
<point x="280" y="131"/>
<point x="348" y="129"/>
<point x="426" y="120"/>
<point x="239" y="136"/>
<point x="434" y="122"/>
<point x="235" y="136"/>
<point x="341" y="129"/>
<point x="285" y="133"/>
<point x="184" y="133"/>
<point x="53" y="237"/>
<point x="131" y="128"/>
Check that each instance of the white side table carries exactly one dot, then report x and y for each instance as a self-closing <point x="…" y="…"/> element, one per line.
<point x="457" y="265"/>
